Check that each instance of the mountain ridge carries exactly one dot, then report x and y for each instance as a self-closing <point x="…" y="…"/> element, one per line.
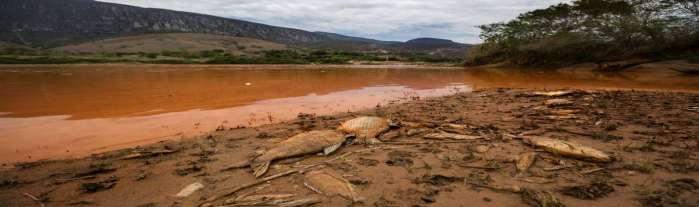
<point x="50" y="23"/>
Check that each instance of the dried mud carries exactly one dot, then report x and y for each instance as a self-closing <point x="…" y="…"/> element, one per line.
<point x="652" y="137"/>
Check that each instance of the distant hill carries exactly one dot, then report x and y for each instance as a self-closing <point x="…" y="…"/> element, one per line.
<point x="50" y="23"/>
<point x="430" y="41"/>
<point x="345" y="38"/>
<point x="190" y="42"/>
<point x="433" y="46"/>
<point x="8" y="47"/>
<point x="57" y="23"/>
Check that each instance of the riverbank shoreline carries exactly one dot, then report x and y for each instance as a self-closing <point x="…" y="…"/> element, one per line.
<point x="650" y="134"/>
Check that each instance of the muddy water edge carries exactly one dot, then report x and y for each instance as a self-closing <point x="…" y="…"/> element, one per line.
<point x="650" y="134"/>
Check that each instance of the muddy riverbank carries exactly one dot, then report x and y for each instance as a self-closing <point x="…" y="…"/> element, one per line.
<point x="652" y="137"/>
<point x="70" y="111"/>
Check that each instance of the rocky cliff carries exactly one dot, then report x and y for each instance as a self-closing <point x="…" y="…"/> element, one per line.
<point x="56" y="22"/>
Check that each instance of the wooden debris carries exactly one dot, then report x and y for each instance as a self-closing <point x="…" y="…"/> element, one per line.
<point x="558" y="102"/>
<point x="231" y="191"/>
<point x="552" y="93"/>
<point x="478" y="167"/>
<point x="331" y="185"/>
<point x="426" y="142"/>
<point x="260" y="199"/>
<point x="301" y="202"/>
<point x="189" y="190"/>
<point x="145" y="154"/>
<point x="65" y="180"/>
<point x="446" y="135"/>
<point x="560" y="167"/>
<point x="34" y="198"/>
<point x="290" y="202"/>
<point x="590" y="171"/>
<point x="536" y="180"/>
<point x="569" y="149"/>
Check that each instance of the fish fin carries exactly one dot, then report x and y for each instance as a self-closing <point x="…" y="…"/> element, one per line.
<point x="332" y="148"/>
<point x="261" y="169"/>
<point x="313" y="188"/>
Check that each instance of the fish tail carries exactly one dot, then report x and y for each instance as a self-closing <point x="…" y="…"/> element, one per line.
<point x="332" y="148"/>
<point x="261" y="169"/>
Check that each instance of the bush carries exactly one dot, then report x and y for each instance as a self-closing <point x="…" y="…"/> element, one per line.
<point x="599" y="30"/>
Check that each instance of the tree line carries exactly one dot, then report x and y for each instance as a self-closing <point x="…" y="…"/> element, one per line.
<point x="592" y="31"/>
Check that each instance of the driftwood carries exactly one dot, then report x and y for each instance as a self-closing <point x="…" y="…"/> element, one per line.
<point x="451" y="136"/>
<point x="146" y="154"/>
<point x="590" y="171"/>
<point x="34" y="198"/>
<point x="65" y="180"/>
<point x="418" y="143"/>
<point x="478" y="167"/>
<point x="290" y="203"/>
<point x="231" y="191"/>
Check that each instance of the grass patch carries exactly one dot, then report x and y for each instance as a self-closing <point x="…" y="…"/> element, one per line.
<point x="216" y="57"/>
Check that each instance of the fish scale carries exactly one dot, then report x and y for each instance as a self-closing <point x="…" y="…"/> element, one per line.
<point x="300" y="144"/>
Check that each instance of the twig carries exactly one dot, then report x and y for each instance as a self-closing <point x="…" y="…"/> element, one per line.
<point x="590" y="171"/>
<point x="511" y="189"/>
<point x="542" y="181"/>
<point x="416" y="143"/>
<point x="37" y="200"/>
<point x="291" y="172"/>
<point x="235" y="190"/>
<point x="62" y="180"/>
<point x="560" y="167"/>
<point x="478" y="167"/>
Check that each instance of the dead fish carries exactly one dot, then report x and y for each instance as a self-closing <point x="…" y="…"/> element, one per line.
<point x="331" y="185"/>
<point x="553" y="93"/>
<point x="326" y="141"/>
<point x="569" y="149"/>
<point x="366" y="128"/>
<point x="558" y="102"/>
<point x="525" y="161"/>
<point x="446" y="135"/>
<point x="266" y="199"/>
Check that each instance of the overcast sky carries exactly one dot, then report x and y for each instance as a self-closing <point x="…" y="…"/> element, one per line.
<point x="386" y="20"/>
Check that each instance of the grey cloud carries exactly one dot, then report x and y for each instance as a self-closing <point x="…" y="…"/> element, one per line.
<point x="388" y="20"/>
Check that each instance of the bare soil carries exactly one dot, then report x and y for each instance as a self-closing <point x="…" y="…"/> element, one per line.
<point x="651" y="135"/>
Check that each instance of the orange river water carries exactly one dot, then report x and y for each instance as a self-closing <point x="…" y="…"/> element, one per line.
<point x="69" y="111"/>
